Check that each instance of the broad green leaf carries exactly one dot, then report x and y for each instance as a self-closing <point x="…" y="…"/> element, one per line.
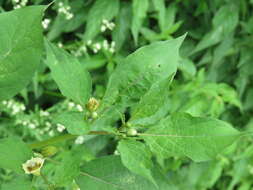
<point x="71" y="77"/>
<point x="137" y="158"/>
<point x="108" y="173"/>
<point x="140" y="8"/>
<point x="160" y="7"/>
<point x="200" y="139"/>
<point x="123" y="24"/>
<point x="140" y="70"/>
<point x="151" y="103"/>
<point x="100" y="10"/>
<point x="18" y="183"/>
<point x="74" y="122"/>
<point x="67" y="170"/>
<point x="21" y="48"/>
<point x="13" y="153"/>
<point x="220" y="28"/>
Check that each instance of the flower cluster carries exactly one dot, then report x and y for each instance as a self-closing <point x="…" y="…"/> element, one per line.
<point x="45" y="23"/>
<point x="107" y="25"/>
<point x="104" y="45"/>
<point x="19" y="3"/>
<point x="13" y="107"/>
<point x="65" y="10"/>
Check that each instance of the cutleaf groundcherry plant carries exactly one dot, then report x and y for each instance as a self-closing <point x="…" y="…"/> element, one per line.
<point x="126" y="128"/>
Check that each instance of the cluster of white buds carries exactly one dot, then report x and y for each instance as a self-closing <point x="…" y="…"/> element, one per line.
<point x="60" y="127"/>
<point x="45" y="23"/>
<point x="32" y="124"/>
<point x="73" y="106"/>
<point x="65" y="9"/>
<point x="80" y="51"/>
<point x="106" y="24"/>
<point x="105" y="45"/>
<point x="96" y="47"/>
<point x="13" y="107"/>
<point x="44" y="113"/>
<point x="109" y="47"/>
<point x="19" y="3"/>
<point x="79" y="140"/>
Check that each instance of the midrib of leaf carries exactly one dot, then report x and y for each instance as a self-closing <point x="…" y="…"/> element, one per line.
<point x="101" y="180"/>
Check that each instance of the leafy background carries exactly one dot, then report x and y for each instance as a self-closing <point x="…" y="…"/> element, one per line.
<point x="214" y="80"/>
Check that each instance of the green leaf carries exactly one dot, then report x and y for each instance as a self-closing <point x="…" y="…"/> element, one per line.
<point x="71" y="77"/>
<point x="67" y="170"/>
<point x="137" y="158"/>
<point x="21" y="48"/>
<point x="74" y="122"/>
<point x="151" y="103"/>
<point x="220" y="28"/>
<point x="200" y="139"/>
<point x="140" y="70"/>
<point x="18" y="183"/>
<point x="100" y="10"/>
<point x="140" y="8"/>
<point x="109" y="173"/>
<point x="161" y="9"/>
<point x="123" y="24"/>
<point x="13" y="153"/>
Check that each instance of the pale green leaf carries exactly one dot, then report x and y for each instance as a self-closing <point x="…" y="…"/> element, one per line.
<point x="70" y="75"/>
<point x="151" y="103"/>
<point x="200" y="139"/>
<point x="137" y="158"/>
<point x="220" y="28"/>
<point x="140" y="70"/>
<point x="13" y="153"/>
<point x="108" y="173"/>
<point x="67" y="169"/>
<point x="100" y="10"/>
<point x="21" y="48"/>
<point x="18" y="183"/>
<point x="74" y="122"/>
<point x="161" y="9"/>
<point x="140" y="8"/>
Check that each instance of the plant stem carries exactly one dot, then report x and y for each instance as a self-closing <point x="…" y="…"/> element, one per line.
<point x="55" y="140"/>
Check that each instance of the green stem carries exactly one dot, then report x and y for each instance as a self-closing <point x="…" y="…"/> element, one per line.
<point x="55" y="140"/>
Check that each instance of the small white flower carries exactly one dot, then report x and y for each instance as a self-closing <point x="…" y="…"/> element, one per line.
<point x="45" y="23"/>
<point x="33" y="166"/>
<point x="31" y="125"/>
<point x="79" y="140"/>
<point x="51" y="133"/>
<point x="48" y="124"/>
<point x="4" y="102"/>
<point x="60" y="127"/>
<point x="44" y="113"/>
<point x="60" y="45"/>
<point x="105" y="45"/>
<point x="89" y="42"/>
<point x="71" y="105"/>
<point x="79" y="108"/>
<point x="103" y="28"/>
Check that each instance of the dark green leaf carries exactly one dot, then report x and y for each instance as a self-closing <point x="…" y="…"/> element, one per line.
<point x="13" y="153"/>
<point x="21" y="48"/>
<point x="71" y="77"/>
<point x="200" y="139"/>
